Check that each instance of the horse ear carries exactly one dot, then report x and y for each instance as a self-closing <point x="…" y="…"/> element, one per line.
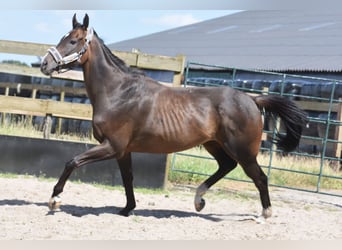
<point x="85" y="21"/>
<point x="74" y="21"/>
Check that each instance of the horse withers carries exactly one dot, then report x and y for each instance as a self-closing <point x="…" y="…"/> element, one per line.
<point x="134" y="113"/>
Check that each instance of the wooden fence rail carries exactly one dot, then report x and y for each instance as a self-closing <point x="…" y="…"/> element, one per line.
<point x="79" y="111"/>
<point x="39" y="107"/>
<point x="139" y="60"/>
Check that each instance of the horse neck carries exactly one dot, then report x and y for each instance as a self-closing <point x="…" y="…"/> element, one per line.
<point x="100" y="73"/>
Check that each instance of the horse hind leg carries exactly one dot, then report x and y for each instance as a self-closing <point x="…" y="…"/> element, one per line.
<point x="254" y="171"/>
<point x="225" y="164"/>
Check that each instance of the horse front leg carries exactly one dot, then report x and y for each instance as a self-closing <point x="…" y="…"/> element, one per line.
<point x="97" y="153"/>
<point x="125" y="165"/>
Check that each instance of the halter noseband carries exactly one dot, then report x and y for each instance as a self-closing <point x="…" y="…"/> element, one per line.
<point x="61" y="61"/>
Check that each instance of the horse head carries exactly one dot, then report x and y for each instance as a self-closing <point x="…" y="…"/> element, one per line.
<point x="71" y="50"/>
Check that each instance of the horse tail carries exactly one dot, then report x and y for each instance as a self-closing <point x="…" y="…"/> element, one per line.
<point x="293" y="118"/>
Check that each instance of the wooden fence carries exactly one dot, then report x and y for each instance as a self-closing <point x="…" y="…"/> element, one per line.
<point x="61" y="109"/>
<point x="139" y="60"/>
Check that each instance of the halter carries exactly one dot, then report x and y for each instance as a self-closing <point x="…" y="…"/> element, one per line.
<point x="61" y="61"/>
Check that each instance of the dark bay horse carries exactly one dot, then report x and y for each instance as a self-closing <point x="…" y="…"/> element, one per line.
<point x="134" y="113"/>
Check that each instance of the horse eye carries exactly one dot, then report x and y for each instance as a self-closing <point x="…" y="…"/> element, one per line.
<point x="73" y="42"/>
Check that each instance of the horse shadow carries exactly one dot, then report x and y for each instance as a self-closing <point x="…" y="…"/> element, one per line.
<point x="81" y="211"/>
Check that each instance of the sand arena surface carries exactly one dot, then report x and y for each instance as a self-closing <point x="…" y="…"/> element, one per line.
<point x="90" y="212"/>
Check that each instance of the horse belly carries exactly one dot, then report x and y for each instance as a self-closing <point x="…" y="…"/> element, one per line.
<point x="159" y="144"/>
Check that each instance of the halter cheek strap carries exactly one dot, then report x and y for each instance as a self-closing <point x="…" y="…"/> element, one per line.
<point x="61" y="61"/>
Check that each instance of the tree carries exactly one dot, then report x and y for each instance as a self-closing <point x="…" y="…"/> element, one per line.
<point x="15" y="62"/>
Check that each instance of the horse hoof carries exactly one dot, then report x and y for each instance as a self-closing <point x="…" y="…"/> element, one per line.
<point x="199" y="206"/>
<point x="124" y="212"/>
<point x="55" y="203"/>
<point x="267" y="212"/>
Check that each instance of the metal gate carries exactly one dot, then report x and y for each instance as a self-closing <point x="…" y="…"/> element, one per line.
<point x="315" y="166"/>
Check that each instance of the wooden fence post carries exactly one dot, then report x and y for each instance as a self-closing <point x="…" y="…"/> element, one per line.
<point x="178" y="77"/>
<point x="3" y="117"/>
<point x="60" y="120"/>
<point x="47" y="126"/>
<point x="338" y="131"/>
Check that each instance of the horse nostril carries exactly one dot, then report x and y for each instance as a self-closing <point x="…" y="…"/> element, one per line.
<point x="43" y="64"/>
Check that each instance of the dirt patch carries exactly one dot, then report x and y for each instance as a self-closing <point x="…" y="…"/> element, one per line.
<point x="90" y="212"/>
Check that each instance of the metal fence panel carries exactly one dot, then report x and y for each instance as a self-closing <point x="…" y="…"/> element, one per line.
<point x="316" y="163"/>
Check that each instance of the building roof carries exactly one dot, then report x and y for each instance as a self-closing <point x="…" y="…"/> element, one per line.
<point x="285" y="40"/>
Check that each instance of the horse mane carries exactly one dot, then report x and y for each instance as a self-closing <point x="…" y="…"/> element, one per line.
<point x="117" y="61"/>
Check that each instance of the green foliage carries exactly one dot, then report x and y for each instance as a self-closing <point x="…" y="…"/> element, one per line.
<point x="15" y="62"/>
<point x="290" y="171"/>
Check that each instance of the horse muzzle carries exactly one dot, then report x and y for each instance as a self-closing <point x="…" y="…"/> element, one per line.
<point x="48" y="68"/>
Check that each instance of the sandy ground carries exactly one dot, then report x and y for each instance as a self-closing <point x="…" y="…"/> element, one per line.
<point x="90" y="212"/>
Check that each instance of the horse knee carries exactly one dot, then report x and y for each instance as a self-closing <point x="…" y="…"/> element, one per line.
<point x="71" y="165"/>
